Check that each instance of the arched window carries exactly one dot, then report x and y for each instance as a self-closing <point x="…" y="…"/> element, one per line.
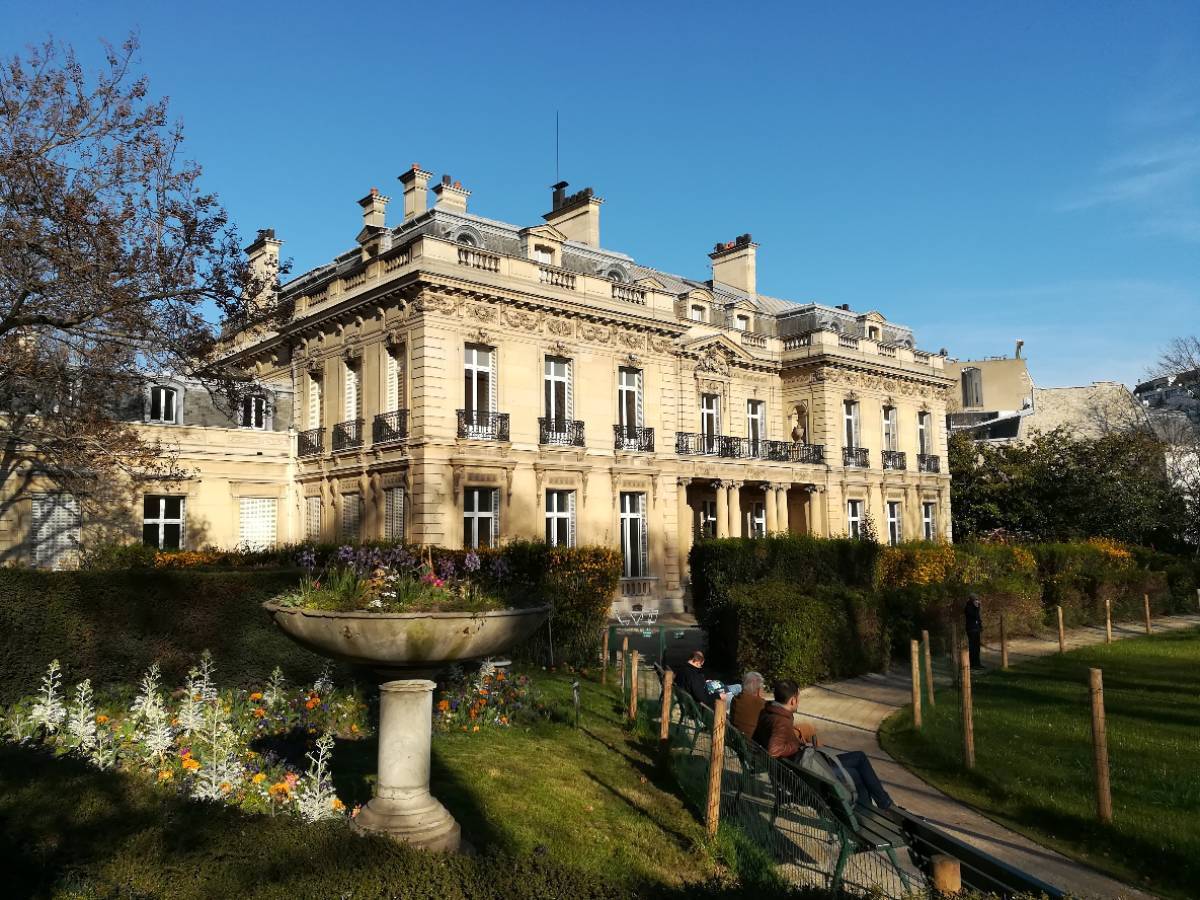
<point x="972" y="387"/>
<point x="614" y="275"/>
<point x="164" y="405"/>
<point x="467" y="239"/>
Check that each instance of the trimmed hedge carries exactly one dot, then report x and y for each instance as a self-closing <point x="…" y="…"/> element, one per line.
<point x="810" y="608"/>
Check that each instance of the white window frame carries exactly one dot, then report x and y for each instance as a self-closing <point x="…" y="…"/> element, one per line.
<point x="756" y="519"/>
<point x="854" y="518"/>
<point x="756" y="421"/>
<point x="261" y="510"/>
<point x="741" y="322"/>
<point x="393" y="513"/>
<point x="393" y="388"/>
<point x="543" y="255"/>
<point x="895" y="522"/>
<point x="852" y="427"/>
<point x="255" y="413"/>
<point x="352" y="395"/>
<point x="556" y="370"/>
<point x="630" y="385"/>
<point x="164" y="391"/>
<point x="635" y="556"/>
<point x="312" y="518"/>
<point x="161" y="519"/>
<point x="891" y="433"/>
<point x="710" y="421"/>
<point x="560" y="507"/>
<point x="55" y="529"/>
<point x="696" y="313"/>
<point x="315" y="404"/>
<point x="478" y="522"/>
<point x="923" y="433"/>
<point x="929" y="520"/>
<point x="708" y="519"/>
<point x="479" y="360"/>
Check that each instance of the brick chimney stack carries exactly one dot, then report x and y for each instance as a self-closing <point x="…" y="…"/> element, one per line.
<point x="263" y="259"/>
<point x="577" y="216"/>
<point x="451" y="197"/>
<point x="733" y="263"/>
<point x="416" y="191"/>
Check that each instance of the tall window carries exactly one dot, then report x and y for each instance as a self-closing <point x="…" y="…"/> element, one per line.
<point x="854" y="510"/>
<point x="924" y="433"/>
<point x="543" y="255"/>
<point x="756" y="421"/>
<point x="929" y="521"/>
<point x="393" y="513"/>
<point x="560" y="518"/>
<point x="55" y="530"/>
<point x="708" y="518"/>
<point x="972" y="387"/>
<point x="254" y="411"/>
<point x="481" y="517"/>
<point x="393" y="388"/>
<point x="710" y="421"/>
<point x="756" y="520"/>
<point x="256" y="517"/>
<point x="315" y="401"/>
<point x="851" y="432"/>
<point x="164" y="403"/>
<point x="895" y="526"/>
<point x="312" y="518"/>
<point x="629" y="400"/>
<point x="696" y="313"/>
<point x="634" y="547"/>
<point x="742" y="322"/>
<point x="162" y="522"/>
<point x="351" y="517"/>
<point x="558" y="398"/>
<point x="479" y="386"/>
<point x="891" y="438"/>
<point x="353" y="394"/>
<point x="873" y="332"/>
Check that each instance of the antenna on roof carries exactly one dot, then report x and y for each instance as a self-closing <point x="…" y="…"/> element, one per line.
<point x="556" y="178"/>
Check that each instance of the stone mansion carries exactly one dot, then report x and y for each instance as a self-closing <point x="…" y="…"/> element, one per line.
<point x="457" y="380"/>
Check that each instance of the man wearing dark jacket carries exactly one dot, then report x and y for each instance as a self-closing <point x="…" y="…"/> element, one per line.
<point x="974" y="622"/>
<point x="776" y="732"/>
<point x="691" y="678"/>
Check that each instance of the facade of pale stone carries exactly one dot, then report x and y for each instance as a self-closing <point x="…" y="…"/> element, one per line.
<point x="459" y="380"/>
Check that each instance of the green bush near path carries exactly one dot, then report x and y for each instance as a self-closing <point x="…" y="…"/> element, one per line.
<point x="1034" y="755"/>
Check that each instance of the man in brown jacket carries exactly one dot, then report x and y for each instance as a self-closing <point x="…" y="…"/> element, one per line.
<point x="776" y="733"/>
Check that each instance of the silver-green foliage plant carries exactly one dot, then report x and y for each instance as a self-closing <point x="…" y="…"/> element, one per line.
<point x="276" y="688"/>
<point x="48" y="711"/>
<point x="103" y="754"/>
<point x="149" y="698"/>
<point x="324" y="683"/>
<point x="149" y="714"/>
<point x="81" y="719"/>
<point x="220" y="771"/>
<point x="315" y="797"/>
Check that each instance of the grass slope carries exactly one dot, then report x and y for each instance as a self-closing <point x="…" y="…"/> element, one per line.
<point x="1034" y="769"/>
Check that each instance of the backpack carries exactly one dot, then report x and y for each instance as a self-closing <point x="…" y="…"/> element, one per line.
<point x="826" y="765"/>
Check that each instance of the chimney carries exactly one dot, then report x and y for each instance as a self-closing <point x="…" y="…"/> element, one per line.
<point x="733" y="263"/>
<point x="416" y="192"/>
<point x="451" y="197"/>
<point x="263" y="261"/>
<point x="374" y="207"/>
<point x="577" y="216"/>
<point x="1020" y="344"/>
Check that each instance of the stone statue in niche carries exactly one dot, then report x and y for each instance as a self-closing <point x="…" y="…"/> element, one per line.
<point x="800" y="423"/>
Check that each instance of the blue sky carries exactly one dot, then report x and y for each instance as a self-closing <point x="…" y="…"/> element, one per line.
<point x="982" y="172"/>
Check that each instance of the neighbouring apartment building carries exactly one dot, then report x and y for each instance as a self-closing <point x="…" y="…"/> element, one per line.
<point x="460" y="381"/>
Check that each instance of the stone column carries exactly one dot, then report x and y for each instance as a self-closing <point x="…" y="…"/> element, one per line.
<point x="722" y="508"/>
<point x="781" y="507"/>
<point x="402" y="807"/>
<point x="684" y="525"/>
<point x="735" y="509"/>
<point x="769" y="503"/>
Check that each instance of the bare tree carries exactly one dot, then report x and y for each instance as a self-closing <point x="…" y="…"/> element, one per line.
<point x="114" y="263"/>
<point x="1181" y="355"/>
<point x="1176" y="418"/>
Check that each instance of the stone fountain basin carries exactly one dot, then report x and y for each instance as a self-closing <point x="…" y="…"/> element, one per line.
<point x="410" y="642"/>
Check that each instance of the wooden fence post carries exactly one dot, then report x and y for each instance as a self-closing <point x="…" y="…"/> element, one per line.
<point x="1100" y="744"/>
<point x="1108" y="620"/>
<point x="664" y="725"/>
<point x="968" y="720"/>
<point x="1003" y="644"/>
<point x="716" y="768"/>
<point x="1062" y="635"/>
<point x="946" y="874"/>
<point x="623" y="658"/>
<point x="1146" y="602"/>
<point x="633" y="685"/>
<point x="604" y="656"/>
<point x="954" y="650"/>
<point x="928" y="669"/>
<point x="916" y="683"/>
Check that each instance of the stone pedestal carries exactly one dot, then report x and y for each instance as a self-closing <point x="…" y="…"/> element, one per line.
<point x="402" y="807"/>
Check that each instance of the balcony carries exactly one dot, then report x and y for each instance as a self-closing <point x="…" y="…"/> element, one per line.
<point x="639" y="587"/>
<point x="688" y="443"/>
<point x="928" y="463"/>
<point x="311" y="442"/>
<point x="560" y="432"/>
<point x="347" y="435"/>
<point x="482" y="426"/>
<point x="628" y="437"/>
<point x="629" y="293"/>
<point x="895" y="459"/>
<point x="478" y="259"/>
<point x="390" y="427"/>
<point x="556" y="277"/>
<point x="856" y="457"/>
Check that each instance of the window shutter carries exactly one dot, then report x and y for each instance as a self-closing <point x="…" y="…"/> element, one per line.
<point x="312" y="518"/>
<point x="314" y="402"/>
<point x="641" y="421"/>
<point x="571" y="520"/>
<point x="644" y="550"/>
<point x="570" y="410"/>
<point x="183" y="523"/>
<point x="257" y="522"/>
<point x="494" y="365"/>
<point x="56" y="526"/>
<point x="857" y="421"/>
<point x="394" y="513"/>
<point x="495" y="517"/>
<point x="392" y="387"/>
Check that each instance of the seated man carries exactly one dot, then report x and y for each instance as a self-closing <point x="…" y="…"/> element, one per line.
<point x="748" y="704"/>
<point x="692" y="679"/>
<point x="776" y="732"/>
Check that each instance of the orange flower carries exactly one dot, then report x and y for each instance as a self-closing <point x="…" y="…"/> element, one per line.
<point x="280" y="789"/>
<point x="353" y="728"/>
<point x="257" y="695"/>
<point x="338" y="804"/>
<point x="101" y="719"/>
<point x="259" y="777"/>
<point x="476" y="728"/>
<point x="313" y="703"/>
<point x="259" y="713"/>
<point x="443" y="705"/>
<point x="166" y="775"/>
<point x="190" y="763"/>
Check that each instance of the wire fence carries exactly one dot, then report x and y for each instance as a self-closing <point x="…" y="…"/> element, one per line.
<point x="776" y="807"/>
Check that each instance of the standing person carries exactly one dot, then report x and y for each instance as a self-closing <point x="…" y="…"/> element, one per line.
<point x="974" y="621"/>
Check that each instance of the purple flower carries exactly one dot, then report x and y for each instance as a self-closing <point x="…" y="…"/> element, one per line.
<point x="345" y="554"/>
<point x="445" y="568"/>
<point x="471" y="562"/>
<point x="499" y="569"/>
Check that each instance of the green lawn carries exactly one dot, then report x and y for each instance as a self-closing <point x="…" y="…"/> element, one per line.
<point x="551" y="811"/>
<point x="1034" y="766"/>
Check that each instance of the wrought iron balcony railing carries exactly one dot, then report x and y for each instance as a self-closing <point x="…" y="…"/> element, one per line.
<point x="856" y="457"/>
<point x="348" y="435"/>
<point x="632" y="437"/>
<point x="895" y="459"/>
<point x="390" y="427"/>
<point x="689" y="443"/>
<point x="311" y="442"/>
<point x="482" y="426"/>
<point x="564" y="432"/>
<point x="927" y="462"/>
<point x="812" y="454"/>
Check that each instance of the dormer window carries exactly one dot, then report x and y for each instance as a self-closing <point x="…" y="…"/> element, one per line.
<point x="164" y="404"/>
<point x="466" y="240"/>
<point x="873" y="332"/>
<point x="742" y="322"/>
<point x="696" y="313"/>
<point x="615" y="275"/>
<point x="254" y="412"/>
<point x="543" y="255"/>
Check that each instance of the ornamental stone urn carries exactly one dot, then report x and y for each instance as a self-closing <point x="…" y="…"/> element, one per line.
<point x="404" y="650"/>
